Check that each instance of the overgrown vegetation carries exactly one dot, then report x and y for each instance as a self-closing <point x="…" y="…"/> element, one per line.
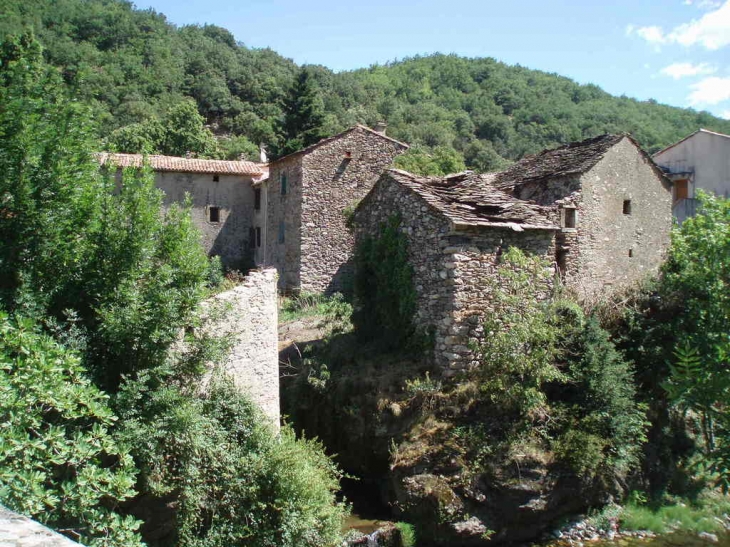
<point x="133" y="66"/>
<point x="99" y="286"/>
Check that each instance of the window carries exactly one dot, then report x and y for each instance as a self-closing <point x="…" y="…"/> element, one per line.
<point x="631" y="253"/>
<point x="561" y="258"/>
<point x="569" y="217"/>
<point x="282" y="230"/>
<point x="251" y="238"/>
<point x="681" y="189"/>
<point x="216" y="178"/>
<point x="257" y="199"/>
<point x="214" y="214"/>
<point x="258" y="237"/>
<point x="283" y="181"/>
<point x="627" y="206"/>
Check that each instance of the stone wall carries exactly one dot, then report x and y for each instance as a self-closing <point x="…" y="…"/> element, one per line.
<point x="249" y="314"/>
<point x="232" y="194"/>
<point x="19" y="531"/>
<point x="337" y="175"/>
<point x="617" y="249"/>
<point x="285" y="209"/>
<point x="470" y="263"/>
<point x="453" y="271"/>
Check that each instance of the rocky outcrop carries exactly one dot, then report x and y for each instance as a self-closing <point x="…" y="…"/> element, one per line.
<point x="19" y="531"/>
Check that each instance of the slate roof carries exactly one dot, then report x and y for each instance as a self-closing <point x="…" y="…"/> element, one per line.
<point x="571" y="159"/>
<point x="470" y="200"/>
<point x="335" y="137"/>
<point x="185" y="165"/>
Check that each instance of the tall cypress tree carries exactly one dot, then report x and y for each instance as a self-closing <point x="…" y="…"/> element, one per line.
<point x="304" y="115"/>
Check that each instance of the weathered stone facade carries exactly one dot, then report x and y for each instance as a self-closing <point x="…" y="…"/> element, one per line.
<point x="453" y="266"/>
<point x="622" y="219"/>
<point x="598" y="210"/>
<point x="249" y="315"/>
<point x="232" y="195"/>
<point x="323" y="182"/>
<point x="19" y="531"/>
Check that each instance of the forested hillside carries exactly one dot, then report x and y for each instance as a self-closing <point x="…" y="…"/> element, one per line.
<point x="136" y="68"/>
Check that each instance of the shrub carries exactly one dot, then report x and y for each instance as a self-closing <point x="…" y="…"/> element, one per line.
<point x="384" y="293"/>
<point x="234" y="481"/>
<point x="58" y="461"/>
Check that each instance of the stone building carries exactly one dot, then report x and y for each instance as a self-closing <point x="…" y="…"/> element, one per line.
<point x="598" y="210"/>
<point x="290" y="214"/>
<point x="222" y="195"/>
<point x="307" y="198"/>
<point x="700" y="161"/>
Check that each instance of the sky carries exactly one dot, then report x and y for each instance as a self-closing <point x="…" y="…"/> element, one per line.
<point x="674" y="51"/>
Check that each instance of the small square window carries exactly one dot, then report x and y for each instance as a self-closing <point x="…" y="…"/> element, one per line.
<point x="282" y="232"/>
<point x="216" y="178"/>
<point x="569" y="217"/>
<point x="627" y="206"/>
<point x="214" y="214"/>
<point x="257" y="199"/>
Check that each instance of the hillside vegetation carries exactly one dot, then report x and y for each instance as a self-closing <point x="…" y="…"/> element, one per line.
<point x="134" y="67"/>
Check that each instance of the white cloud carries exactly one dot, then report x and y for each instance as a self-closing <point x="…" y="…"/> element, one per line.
<point x="709" y="91"/>
<point x="711" y="31"/>
<point x="704" y="4"/>
<point x="682" y="70"/>
<point x="725" y="114"/>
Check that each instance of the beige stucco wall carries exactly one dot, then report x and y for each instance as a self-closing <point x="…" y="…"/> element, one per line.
<point x="227" y="238"/>
<point x="707" y="156"/>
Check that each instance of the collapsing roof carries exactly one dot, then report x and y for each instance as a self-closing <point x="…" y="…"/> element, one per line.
<point x="470" y="200"/>
<point x="571" y="159"/>
<point x="184" y="165"/>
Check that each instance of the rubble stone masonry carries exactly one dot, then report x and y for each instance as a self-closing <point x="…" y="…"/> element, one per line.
<point x="249" y="314"/>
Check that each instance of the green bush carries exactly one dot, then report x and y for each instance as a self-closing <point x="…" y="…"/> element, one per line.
<point x="58" y="460"/>
<point x="234" y="481"/>
<point x="407" y="534"/>
<point x="385" y="298"/>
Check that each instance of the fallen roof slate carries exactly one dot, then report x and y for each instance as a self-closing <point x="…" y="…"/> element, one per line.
<point x="470" y="200"/>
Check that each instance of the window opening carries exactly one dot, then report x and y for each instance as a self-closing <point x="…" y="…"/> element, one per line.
<point x="214" y="214"/>
<point x="282" y="234"/>
<point x="561" y="258"/>
<point x="627" y="206"/>
<point x="284" y="181"/>
<point x="257" y="199"/>
<point x="631" y="253"/>
<point x="251" y="237"/>
<point x="216" y="178"/>
<point x="569" y="218"/>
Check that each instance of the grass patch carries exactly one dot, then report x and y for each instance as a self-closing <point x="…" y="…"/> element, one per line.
<point x="407" y="534"/>
<point x="334" y="310"/>
<point x="705" y="515"/>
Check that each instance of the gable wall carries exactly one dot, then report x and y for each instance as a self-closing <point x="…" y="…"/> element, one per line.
<point x="705" y="155"/>
<point x="605" y="234"/>
<point x="332" y="184"/>
<point x="232" y="193"/>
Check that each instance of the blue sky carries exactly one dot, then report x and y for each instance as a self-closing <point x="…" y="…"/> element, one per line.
<point x="674" y="51"/>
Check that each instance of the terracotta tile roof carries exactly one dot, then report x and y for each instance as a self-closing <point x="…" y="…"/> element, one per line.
<point x="470" y="200"/>
<point x="571" y="159"/>
<point x="185" y="165"/>
<point x="335" y="137"/>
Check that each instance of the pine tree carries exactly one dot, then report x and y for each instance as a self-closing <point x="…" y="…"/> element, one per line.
<point x="304" y="115"/>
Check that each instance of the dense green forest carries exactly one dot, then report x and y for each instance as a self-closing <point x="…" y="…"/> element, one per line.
<point x="134" y="67"/>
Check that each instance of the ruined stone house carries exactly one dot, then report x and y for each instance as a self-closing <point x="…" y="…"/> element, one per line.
<point x="290" y="214"/>
<point x="598" y="210"/>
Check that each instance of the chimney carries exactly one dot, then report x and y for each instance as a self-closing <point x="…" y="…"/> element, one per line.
<point x="262" y="153"/>
<point x="380" y="127"/>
